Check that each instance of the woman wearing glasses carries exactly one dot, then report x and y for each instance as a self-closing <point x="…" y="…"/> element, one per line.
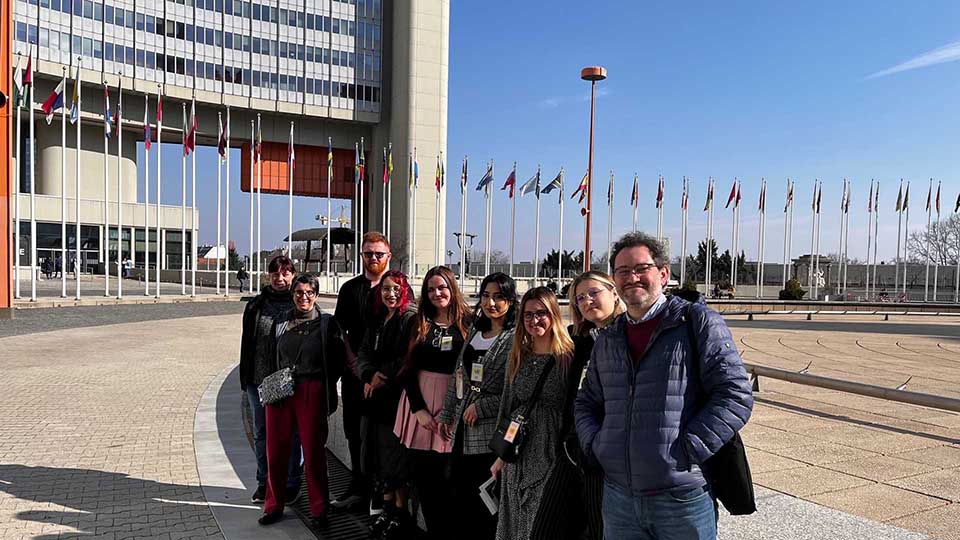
<point x="469" y="416"/>
<point x="594" y="303"/>
<point x="439" y="328"/>
<point x="381" y="358"/>
<point x="309" y="342"/>
<point x="542" y="348"/>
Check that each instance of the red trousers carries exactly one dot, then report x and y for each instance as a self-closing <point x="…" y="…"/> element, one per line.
<point x="307" y="410"/>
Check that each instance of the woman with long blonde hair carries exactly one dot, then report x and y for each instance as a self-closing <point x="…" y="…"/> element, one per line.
<point x="541" y="348"/>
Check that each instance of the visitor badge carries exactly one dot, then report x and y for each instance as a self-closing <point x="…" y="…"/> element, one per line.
<point x="459" y="383"/>
<point x="583" y="375"/>
<point x="446" y="343"/>
<point x="512" y="431"/>
<point x="476" y="373"/>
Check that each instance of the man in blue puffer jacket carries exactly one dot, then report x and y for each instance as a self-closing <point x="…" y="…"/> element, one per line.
<point x="649" y="413"/>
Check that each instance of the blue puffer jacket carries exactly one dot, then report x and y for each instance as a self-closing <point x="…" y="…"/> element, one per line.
<point x="649" y="424"/>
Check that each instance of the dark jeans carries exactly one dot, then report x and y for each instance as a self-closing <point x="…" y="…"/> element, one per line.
<point x="431" y="480"/>
<point x="689" y="514"/>
<point x="468" y="472"/>
<point x="294" y="468"/>
<point x="351" y="395"/>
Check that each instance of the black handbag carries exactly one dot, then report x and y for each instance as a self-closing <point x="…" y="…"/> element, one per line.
<point x="512" y="431"/>
<point x="727" y="471"/>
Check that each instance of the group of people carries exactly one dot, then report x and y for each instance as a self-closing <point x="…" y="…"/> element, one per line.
<point x="498" y="419"/>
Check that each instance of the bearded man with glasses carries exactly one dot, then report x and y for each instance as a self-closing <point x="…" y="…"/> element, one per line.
<point x="354" y="315"/>
<point x="665" y="390"/>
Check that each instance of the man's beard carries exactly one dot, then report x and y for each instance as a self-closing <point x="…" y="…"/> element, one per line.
<point x="375" y="267"/>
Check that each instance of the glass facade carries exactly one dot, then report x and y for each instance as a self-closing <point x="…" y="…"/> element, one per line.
<point x="314" y="52"/>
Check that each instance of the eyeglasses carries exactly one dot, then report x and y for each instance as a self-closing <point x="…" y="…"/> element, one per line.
<point x="591" y="294"/>
<point x="392" y="290"/>
<point x="304" y="294"/>
<point x="437" y="290"/>
<point x="624" y="272"/>
<point x="375" y="254"/>
<point x="530" y="316"/>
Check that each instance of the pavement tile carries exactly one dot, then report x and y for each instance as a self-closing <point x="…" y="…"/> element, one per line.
<point x="806" y="481"/>
<point x="880" y="468"/>
<point x="940" y="522"/>
<point x="943" y="483"/>
<point x="761" y="462"/>
<point x="822" y="453"/>
<point x="944" y="457"/>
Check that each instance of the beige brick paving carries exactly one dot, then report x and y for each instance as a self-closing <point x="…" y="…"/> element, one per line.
<point x="97" y="436"/>
<point x="878" y="459"/>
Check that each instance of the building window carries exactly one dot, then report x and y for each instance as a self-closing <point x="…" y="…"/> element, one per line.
<point x="108" y="52"/>
<point x="181" y="30"/>
<point x="190" y="32"/>
<point x="141" y="21"/>
<point x="128" y="19"/>
<point x="141" y="58"/>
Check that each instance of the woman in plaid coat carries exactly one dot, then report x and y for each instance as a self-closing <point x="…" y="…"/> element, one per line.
<point x="472" y="402"/>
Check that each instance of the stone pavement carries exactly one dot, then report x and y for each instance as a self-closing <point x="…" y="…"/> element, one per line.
<point x="99" y="433"/>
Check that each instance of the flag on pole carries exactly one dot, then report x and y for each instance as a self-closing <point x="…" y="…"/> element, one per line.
<point x="736" y="203"/>
<point x="159" y="109"/>
<point x="386" y="174"/>
<point x="870" y="199"/>
<point x="190" y="138"/>
<point x="511" y="182"/>
<point x="107" y="119"/>
<point x="292" y="158"/>
<point x="635" y="194"/>
<point x="416" y="169"/>
<point x="463" y="176"/>
<point x="733" y="193"/>
<point x="356" y="163"/>
<point x="556" y="183"/>
<point x="75" y="102"/>
<point x="487" y="178"/>
<point x="18" y="85"/>
<point x="610" y="191"/>
<point x="706" y="206"/>
<point x="846" y="205"/>
<point x="938" y="198"/>
<point x="439" y="180"/>
<point x="582" y="188"/>
<point x="929" y="194"/>
<point x="900" y="198"/>
<point x="54" y="101"/>
<point x="147" y="133"/>
<point x="659" y="192"/>
<point x="684" y="198"/>
<point x="819" y="195"/>
<point x="906" y="197"/>
<point x="763" y="198"/>
<point x="956" y="207"/>
<point x="789" y="198"/>
<point x="222" y="141"/>
<point x="533" y="184"/>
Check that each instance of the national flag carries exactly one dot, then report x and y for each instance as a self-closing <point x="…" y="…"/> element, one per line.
<point x="533" y="184"/>
<point x="54" y="101"/>
<point x="956" y="207"/>
<point x="876" y="199"/>
<point x="75" y="102"/>
<point x="899" y="198"/>
<point x="843" y="196"/>
<point x="870" y="199"/>
<point x="635" y="194"/>
<point x="556" y="183"/>
<point x="929" y="194"/>
<point x="610" y="191"/>
<point x="190" y="138"/>
<point x="363" y="163"/>
<point x="330" y="159"/>
<point x="789" y="197"/>
<point x="733" y="193"/>
<point x="511" y="182"/>
<point x="813" y="202"/>
<point x="389" y="161"/>
<point x="386" y="175"/>
<point x="906" y="197"/>
<point x="819" y="196"/>
<point x="487" y="178"/>
<point x="736" y="203"/>
<point x="291" y="154"/>
<point x="356" y="163"/>
<point x="763" y="196"/>
<point x="221" y="140"/>
<point x="159" y="108"/>
<point x="659" y="192"/>
<point x="938" y="198"/>
<point x="416" y="169"/>
<point x="846" y="207"/>
<point x="463" y="175"/>
<point x="685" y="197"/>
<point x="438" y="182"/>
<point x="28" y="81"/>
<point x="147" y="134"/>
<point x="709" y="196"/>
<point x="582" y="187"/>
<point x="107" y="127"/>
<point x="18" y="84"/>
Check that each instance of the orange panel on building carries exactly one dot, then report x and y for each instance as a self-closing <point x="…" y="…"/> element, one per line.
<point x="309" y="172"/>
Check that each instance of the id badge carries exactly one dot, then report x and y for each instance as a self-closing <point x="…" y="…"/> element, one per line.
<point x="446" y="343"/>
<point x="512" y="431"/>
<point x="583" y="376"/>
<point x="459" y="383"/>
<point x="476" y="373"/>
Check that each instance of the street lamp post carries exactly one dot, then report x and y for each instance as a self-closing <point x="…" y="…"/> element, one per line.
<point x="592" y="74"/>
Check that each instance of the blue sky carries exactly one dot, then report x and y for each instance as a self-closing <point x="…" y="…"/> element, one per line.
<point x="748" y="89"/>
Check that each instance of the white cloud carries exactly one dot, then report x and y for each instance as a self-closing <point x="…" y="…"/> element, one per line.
<point x="948" y="53"/>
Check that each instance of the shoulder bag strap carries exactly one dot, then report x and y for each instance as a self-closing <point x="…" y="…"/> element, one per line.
<point x="537" y="390"/>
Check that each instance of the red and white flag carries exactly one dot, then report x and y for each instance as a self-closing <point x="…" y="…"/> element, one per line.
<point x="190" y="136"/>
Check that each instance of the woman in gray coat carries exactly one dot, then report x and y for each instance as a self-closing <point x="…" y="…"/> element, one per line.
<point x="472" y="402"/>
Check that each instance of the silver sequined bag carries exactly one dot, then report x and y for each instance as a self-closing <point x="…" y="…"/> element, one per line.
<point x="276" y="387"/>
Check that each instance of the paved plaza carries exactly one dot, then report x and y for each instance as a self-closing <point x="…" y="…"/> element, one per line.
<point x="111" y="410"/>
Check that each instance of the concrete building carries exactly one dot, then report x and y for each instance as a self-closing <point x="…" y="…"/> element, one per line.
<point x="341" y="70"/>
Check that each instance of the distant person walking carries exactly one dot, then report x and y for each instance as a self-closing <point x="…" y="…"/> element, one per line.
<point x="242" y="277"/>
<point x="258" y="359"/>
<point x="650" y="412"/>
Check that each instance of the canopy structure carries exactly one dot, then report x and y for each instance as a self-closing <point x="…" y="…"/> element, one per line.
<point x="340" y="236"/>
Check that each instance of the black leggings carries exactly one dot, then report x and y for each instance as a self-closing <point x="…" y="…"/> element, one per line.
<point x="431" y="480"/>
<point x="468" y="472"/>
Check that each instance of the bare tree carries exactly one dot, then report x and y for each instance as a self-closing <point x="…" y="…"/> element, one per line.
<point x="944" y="239"/>
<point x="496" y="257"/>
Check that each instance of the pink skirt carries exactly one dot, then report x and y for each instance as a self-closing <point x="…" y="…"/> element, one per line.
<point x="412" y="435"/>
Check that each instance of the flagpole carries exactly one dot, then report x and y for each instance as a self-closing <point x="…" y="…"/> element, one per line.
<point x="183" y="207"/>
<point x="160" y="249"/>
<point x="816" y="252"/>
<point x="413" y="215"/>
<point x="869" y="240"/>
<point x="383" y="189"/>
<point x="389" y="187"/>
<point x="709" y="252"/>
<point x="219" y="195"/>
<point x="291" y="163"/>
<point x="789" y="254"/>
<point x="633" y="196"/>
<point x="659" y="213"/>
<point x="63" y="189"/>
<point x="253" y="150"/>
<point x="683" y="233"/>
<point x="843" y="201"/>
<point x="363" y="174"/>
<point x="513" y="218"/>
<point x="146" y="199"/>
<point x="846" y="242"/>
<point x="33" y="191"/>
<point x="560" y="253"/>
<point x="77" y="180"/>
<point x="16" y="189"/>
<point x="329" y="209"/>
<point x="194" y="229"/>
<point x="438" y="252"/>
<point x="936" y="263"/>
<point x="763" y="186"/>
<point x="356" y="206"/>
<point x="876" y="229"/>
<point x="226" y="261"/>
<point x="536" y="241"/>
<point x="119" y="126"/>
<point x="259" y="202"/>
<point x="899" y="210"/>
<point x="463" y="222"/>
<point x="733" y="241"/>
<point x="610" y="224"/>
<point x="906" y="232"/>
<point x="487" y="227"/>
<point x="926" y="278"/>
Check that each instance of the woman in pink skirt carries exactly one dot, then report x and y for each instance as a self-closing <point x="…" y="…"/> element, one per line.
<point x="442" y="321"/>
